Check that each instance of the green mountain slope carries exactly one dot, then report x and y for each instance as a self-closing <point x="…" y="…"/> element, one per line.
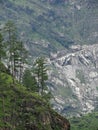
<point x="87" y="122"/>
<point x="50" y="26"/>
<point x="24" y="110"/>
<point x="21" y="109"/>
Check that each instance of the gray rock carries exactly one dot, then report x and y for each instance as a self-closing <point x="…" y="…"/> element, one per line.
<point x="74" y="79"/>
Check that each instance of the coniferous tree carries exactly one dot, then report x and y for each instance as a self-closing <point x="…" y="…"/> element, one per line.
<point x="2" y="51"/>
<point x="29" y="81"/>
<point x="16" y="51"/>
<point x="2" y="68"/>
<point x="11" y="41"/>
<point x="23" y="54"/>
<point x="40" y="71"/>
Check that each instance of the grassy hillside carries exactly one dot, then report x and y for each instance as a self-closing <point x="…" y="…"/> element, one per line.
<point x="48" y="27"/>
<point x="22" y="109"/>
<point x="87" y="122"/>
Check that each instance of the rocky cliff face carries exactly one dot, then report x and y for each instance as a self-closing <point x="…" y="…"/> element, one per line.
<point x="75" y="79"/>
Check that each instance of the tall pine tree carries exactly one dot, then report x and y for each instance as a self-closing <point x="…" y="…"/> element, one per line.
<point x="29" y="81"/>
<point x="16" y="51"/>
<point x="2" y="47"/>
<point x="40" y="71"/>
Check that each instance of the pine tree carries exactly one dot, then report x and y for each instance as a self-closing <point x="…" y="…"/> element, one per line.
<point x="16" y="51"/>
<point x="2" y="51"/>
<point x="11" y="42"/>
<point x="29" y="81"/>
<point x="40" y="71"/>
<point x="23" y="54"/>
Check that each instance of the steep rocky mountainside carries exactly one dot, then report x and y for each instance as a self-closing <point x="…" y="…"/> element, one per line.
<point x="21" y="109"/>
<point x="75" y="79"/>
<point x="51" y="28"/>
<point x="51" y="25"/>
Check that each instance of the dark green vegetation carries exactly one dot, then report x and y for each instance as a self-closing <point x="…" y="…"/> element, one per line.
<point x="35" y="79"/>
<point x="87" y="122"/>
<point x="21" y="109"/>
<point x="50" y="26"/>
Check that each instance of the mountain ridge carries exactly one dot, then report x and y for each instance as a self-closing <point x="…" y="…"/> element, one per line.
<point x="52" y="27"/>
